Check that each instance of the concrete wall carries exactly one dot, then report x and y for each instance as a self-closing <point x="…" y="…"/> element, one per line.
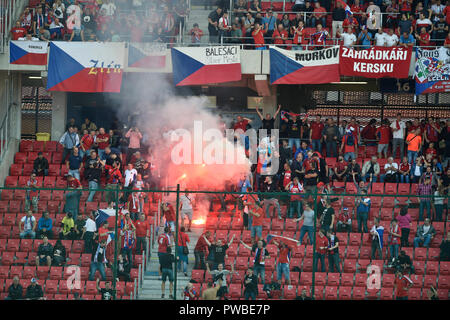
<point x="59" y="114"/>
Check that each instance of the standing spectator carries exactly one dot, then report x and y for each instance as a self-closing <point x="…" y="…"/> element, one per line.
<point x="363" y="204"/>
<point x="114" y="180"/>
<point x="331" y="136"/>
<point x="34" y="291"/>
<point x="402" y="284"/>
<point x="328" y="217"/>
<point x="377" y="239"/>
<point x="423" y="39"/>
<point x="32" y="196"/>
<point x="283" y="262"/>
<point x="45" y="227"/>
<point x="44" y="253"/>
<point x="169" y="214"/>
<point x="280" y="35"/>
<point x="440" y="30"/>
<point x="92" y="173"/>
<point x="414" y="142"/>
<point x="424" y="189"/>
<point x="432" y="131"/>
<point x="164" y="241"/>
<point x="308" y="14"/>
<point x="211" y="292"/>
<point x="398" y="131"/>
<point x="130" y="178"/>
<point x="380" y="38"/>
<point x="348" y="145"/>
<point x="27" y="226"/>
<point x="86" y="143"/>
<point x="236" y="34"/>
<point x="219" y="251"/>
<point x="259" y="260"/>
<point x="219" y="276"/>
<point x="258" y="37"/>
<point x="423" y="22"/>
<point x="295" y="188"/>
<point x="405" y="223"/>
<point x="213" y="23"/>
<point x="224" y="28"/>
<point x="370" y="170"/>
<point x="351" y="21"/>
<point x="40" y="165"/>
<point x="18" y="31"/>
<point x="391" y="169"/>
<point x="383" y="136"/>
<point x="364" y="38"/>
<point x="98" y="261"/>
<point x="75" y="163"/>
<point x="349" y="38"/>
<point x="270" y="199"/>
<point x="269" y="23"/>
<point x="439" y="196"/>
<point x="183" y="251"/>
<point x="321" y="250"/>
<point x="319" y="37"/>
<point x="123" y="268"/>
<point x="142" y="233"/>
<point x="102" y="140"/>
<point x="315" y="134"/>
<point x="186" y="210"/>
<point x="73" y="196"/>
<point x="391" y="38"/>
<point x="338" y="16"/>
<point x="425" y="234"/>
<point x="69" y="140"/>
<point x="333" y="252"/>
<point x="200" y="250"/>
<point x="135" y="137"/>
<point x="196" y="34"/>
<point x="394" y="239"/>
<point x="444" y="254"/>
<point x="15" y="290"/>
<point x="128" y="233"/>
<point x="250" y="285"/>
<point x="308" y="223"/>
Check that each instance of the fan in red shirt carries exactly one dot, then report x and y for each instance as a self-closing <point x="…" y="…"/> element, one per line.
<point x="241" y="123"/>
<point x="103" y="232"/>
<point x="431" y="150"/>
<point x="18" y="31"/>
<point x="258" y="37"/>
<point x="384" y="136"/>
<point x="133" y="203"/>
<point x="319" y="37"/>
<point x="321" y="249"/>
<point x="447" y="40"/>
<point x="102" y="141"/>
<point x="350" y="22"/>
<point x="402" y="284"/>
<point x="257" y="222"/>
<point x="142" y="232"/>
<point x="315" y="134"/>
<point x="169" y="214"/>
<point x="423" y="38"/>
<point x="201" y="250"/>
<point x="284" y="258"/>
<point x="299" y="33"/>
<point x="432" y="131"/>
<point x="446" y="12"/>
<point x="356" y="8"/>
<point x="86" y="142"/>
<point x="280" y="35"/>
<point x="287" y="175"/>
<point x="164" y="241"/>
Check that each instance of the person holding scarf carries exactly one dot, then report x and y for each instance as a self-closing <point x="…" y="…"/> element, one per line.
<point x="129" y="239"/>
<point x="377" y="238"/>
<point x="260" y="255"/>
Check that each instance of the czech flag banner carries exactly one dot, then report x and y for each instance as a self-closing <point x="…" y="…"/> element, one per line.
<point x="432" y="70"/>
<point x="28" y="52"/>
<point x="206" y="65"/>
<point x="345" y="6"/>
<point x="85" y="66"/>
<point x="287" y="241"/>
<point x="103" y="215"/>
<point x="147" y="55"/>
<point x="304" y="67"/>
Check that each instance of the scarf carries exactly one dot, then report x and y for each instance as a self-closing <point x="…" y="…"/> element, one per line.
<point x="261" y="257"/>
<point x="100" y="250"/>
<point x="128" y="239"/>
<point x="397" y="124"/>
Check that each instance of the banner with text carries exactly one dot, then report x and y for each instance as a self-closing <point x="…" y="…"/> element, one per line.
<point x="304" y="67"/>
<point x="206" y="65"/>
<point x="432" y="72"/>
<point x="28" y="52"/>
<point x="85" y="66"/>
<point x="376" y="62"/>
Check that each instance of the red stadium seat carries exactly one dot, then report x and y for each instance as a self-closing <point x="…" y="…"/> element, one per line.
<point x="359" y="293"/>
<point x="330" y="293"/>
<point x="9" y="219"/>
<point x="7" y="258"/>
<point x="444" y="268"/>
<point x="4" y="272"/>
<point x="49" y="182"/>
<point x="291" y="225"/>
<point x="289" y="292"/>
<point x="361" y="279"/>
<point x="235" y="291"/>
<point x="7" y="195"/>
<point x="420" y="254"/>
<point x="430" y="280"/>
<point x="21" y="257"/>
<point x="16" y="271"/>
<point x="16" y="169"/>
<point x="29" y="272"/>
<point x="60" y="297"/>
<point x="386" y="293"/>
<point x="414" y="294"/>
<point x="51" y="286"/>
<point x="433" y="254"/>
<point x="32" y="156"/>
<point x="52" y="146"/>
<point x="42" y="272"/>
<point x="38" y="146"/>
<point x="56" y="273"/>
<point x="345" y="293"/>
<point x="306" y="278"/>
<point x="355" y="239"/>
<point x="238" y="276"/>
<point x="432" y="267"/>
<point x="13" y="245"/>
<point x="333" y="279"/>
<point x="444" y="282"/>
<point x="27" y="169"/>
<point x="320" y="278"/>
<point x="20" y="157"/>
<point x="350" y="266"/>
<point x="91" y="287"/>
<point x="419" y="267"/>
<point x="352" y="252"/>
<point x="3" y="245"/>
<point x="26" y="146"/>
<point x="11" y="181"/>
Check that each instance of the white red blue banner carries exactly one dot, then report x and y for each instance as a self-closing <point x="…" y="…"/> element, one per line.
<point x="28" y="52"/>
<point x="432" y="72"/>
<point x="205" y="65"/>
<point x="304" y="67"/>
<point x="85" y="66"/>
<point x="147" y="55"/>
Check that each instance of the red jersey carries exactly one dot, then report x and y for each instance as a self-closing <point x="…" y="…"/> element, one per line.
<point x="348" y="148"/>
<point x="74" y="184"/>
<point x="87" y="141"/>
<point x="447" y="40"/>
<point x="283" y="34"/>
<point x="183" y="239"/>
<point x="17" y="33"/>
<point x="287" y="178"/>
<point x="141" y="228"/>
<point x="401" y="286"/>
<point x="384" y="134"/>
<point x="357" y="10"/>
<point x="133" y="202"/>
<point x="404" y="167"/>
<point x="114" y="175"/>
<point x="33" y="184"/>
<point x="316" y="130"/>
<point x="350" y="23"/>
<point x="432" y="134"/>
<point x="321" y="242"/>
<point x="446" y="12"/>
<point x="170" y="214"/>
<point x="104" y="237"/>
<point x="432" y="151"/>
<point x="163" y="243"/>
<point x="295" y="190"/>
<point x="284" y="256"/>
<point x="258" y="38"/>
<point x="299" y="36"/>
<point x="258" y="221"/>
<point x="201" y="245"/>
<point x="424" y="39"/>
<point x="344" y="216"/>
<point x="241" y="125"/>
<point x="103" y="145"/>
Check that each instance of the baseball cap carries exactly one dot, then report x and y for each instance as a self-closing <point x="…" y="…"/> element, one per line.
<point x="320" y="185"/>
<point x="345" y="209"/>
<point x="33" y="280"/>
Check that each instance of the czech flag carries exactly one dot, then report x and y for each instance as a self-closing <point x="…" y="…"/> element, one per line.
<point x="304" y="67"/>
<point x="345" y="6"/>
<point x="104" y="215"/>
<point x="206" y="65"/>
<point x="288" y="241"/>
<point x="28" y="52"/>
<point x="147" y="56"/>
<point x="85" y="66"/>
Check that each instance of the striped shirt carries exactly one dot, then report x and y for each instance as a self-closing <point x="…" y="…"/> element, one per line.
<point x="424" y="190"/>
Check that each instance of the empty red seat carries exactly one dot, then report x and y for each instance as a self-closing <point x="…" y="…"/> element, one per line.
<point x="420" y="254"/>
<point x="4" y="272"/>
<point x="235" y="290"/>
<point x="49" y="182"/>
<point x="32" y="156"/>
<point x="29" y="272"/>
<point x="51" y="286"/>
<point x="241" y="263"/>
<point x="306" y="278"/>
<point x="9" y="219"/>
<point x="444" y="282"/>
<point x="331" y="293"/>
<point x="52" y="146"/>
<point x="27" y="169"/>
<point x="388" y="280"/>
<point x="56" y="273"/>
<point x="360" y="279"/>
<point x="11" y="181"/>
<point x="359" y="293"/>
<point x="444" y="268"/>
<point x="291" y="225"/>
<point x="345" y="293"/>
<point x="7" y="258"/>
<point x="355" y="239"/>
<point x="430" y="280"/>
<point x="91" y="287"/>
<point x="16" y="271"/>
<point x="386" y="293"/>
<point x="16" y="169"/>
<point x="333" y="279"/>
<point x="42" y="272"/>
<point x="352" y="252"/>
<point x="349" y="265"/>
<point x="432" y="267"/>
<point x="20" y="157"/>
<point x="26" y="146"/>
<point x="13" y="245"/>
<point x="289" y="292"/>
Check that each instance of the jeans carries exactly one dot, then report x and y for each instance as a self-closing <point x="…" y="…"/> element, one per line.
<point x="34" y="202"/>
<point x="110" y="195"/>
<point x="333" y="260"/>
<point x="75" y="173"/>
<point x="404" y="237"/>
<point x="297" y="206"/>
<point x="274" y="202"/>
<point x="316" y="145"/>
<point x="404" y="178"/>
<point x="92" y="185"/>
<point x="84" y="153"/>
<point x="398" y="143"/>
<point x="66" y="152"/>
<point x="439" y="210"/>
<point x="426" y="241"/>
<point x="249" y="295"/>
<point x="97" y="266"/>
<point x="183" y="259"/>
<point x="367" y="178"/>
<point x="199" y="260"/>
<point x="26" y="233"/>
<point x="256" y="231"/>
<point x="422" y="206"/>
<point x="73" y="203"/>
<point x="362" y="221"/>
<point x="389" y="178"/>
<point x="304" y="230"/>
<point x="295" y="141"/>
<point x="322" y="21"/>
<point x="141" y="244"/>
<point x="412" y="156"/>
<point x="349" y="155"/>
<point x="250" y="221"/>
<point x="101" y="152"/>
<point x="260" y="270"/>
<point x="283" y="268"/>
<point x="394" y="251"/>
<point x="376" y="247"/>
<point x="88" y="241"/>
<point x="331" y="149"/>
<point x="321" y="257"/>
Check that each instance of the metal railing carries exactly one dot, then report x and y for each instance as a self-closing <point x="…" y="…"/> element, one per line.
<point x="9" y="12"/>
<point x="9" y="121"/>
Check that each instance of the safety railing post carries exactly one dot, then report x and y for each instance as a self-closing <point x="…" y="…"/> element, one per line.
<point x="136" y="294"/>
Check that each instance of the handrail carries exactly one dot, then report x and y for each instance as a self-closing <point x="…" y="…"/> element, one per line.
<point x="5" y="127"/>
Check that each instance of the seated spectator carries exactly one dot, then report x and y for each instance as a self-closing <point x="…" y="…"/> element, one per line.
<point x="304" y="149"/>
<point x="78" y="227"/>
<point x="348" y="148"/>
<point x="406" y="40"/>
<point x="340" y="170"/>
<point x="269" y="200"/>
<point x="444" y="254"/>
<point x="34" y="291"/>
<point x="391" y="38"/>
<point x="196" y="33"/>
<point x="344" y="222"/>
<point x="423" y="39"/>
<point x="304" y="294"/>
<point x="391" y="169"/>
<point x="380" y="38"/>
<point x="123" y="268"/>
<point x="354" y="172"/>
<point x="403" y="263"/>
<point x="417" y="170"/>
<point x="67" y="225"/>
<point x="109" y="8"/>
<point x="319" y="16"/>
<point x="45" y="227"/>
<point x="59" y="254"/>
<point x="44" y="253"/>
<point x="18" y="31"/>
<point x="28" y="37"/>
<point x="56" y="30"/>
<point x="104" y="34"/>
<point x="27" y="226"/>
<point x="370" y="170"/>
<point x="424" y="234"/>
<point x="40" y="165"/>
<point x="423" y="22"/>
<point x="446" y="42"/>
<point x="15" y="290"/>
<point x="98" y="261"/>
<point x="404" y="171"/>
<point x="32" y="195"/>
<point x="348" y="38"/>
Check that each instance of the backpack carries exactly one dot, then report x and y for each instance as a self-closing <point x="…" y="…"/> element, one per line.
<point x="350" y="140"/>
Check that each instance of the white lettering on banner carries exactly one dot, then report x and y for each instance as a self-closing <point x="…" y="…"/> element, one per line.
<point x="373" y="67"/>
<point x="222" y="55"/>
<point x="374" y="54"/>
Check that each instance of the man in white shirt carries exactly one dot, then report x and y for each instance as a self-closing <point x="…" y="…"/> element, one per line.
<point x="186" y="202"/>
<point x="398" y="132"/>
<point x="423" y="22"/>
<point x="27" y="226"/>
<point x="108" y="7"/>
<point x="88" y="234"/>
<point x="391" y="169"/>
<point x="391" y="38"/>
<point x="130" y="178"/>
<point x="348" y="38"/>
<point x="437" y="9"/>
<point x="380" y="38"/>
<point x="28" y="37"/>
